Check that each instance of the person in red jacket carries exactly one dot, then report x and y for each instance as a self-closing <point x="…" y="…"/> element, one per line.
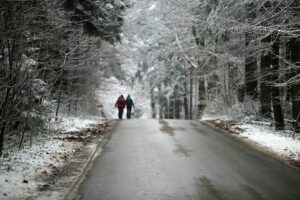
<point x="120" y="104"/>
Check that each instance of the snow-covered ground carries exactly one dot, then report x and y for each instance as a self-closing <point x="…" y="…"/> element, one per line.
<point x="29" y="173"/>
<point x="279" y="142"/>
<point x="68" y="124"/>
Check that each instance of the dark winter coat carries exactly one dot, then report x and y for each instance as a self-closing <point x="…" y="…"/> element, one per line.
<point x="129" y="103"/>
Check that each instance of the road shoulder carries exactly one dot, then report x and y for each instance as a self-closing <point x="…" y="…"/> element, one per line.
<point x="254" y="145"/>
<point x="72" y="192"/>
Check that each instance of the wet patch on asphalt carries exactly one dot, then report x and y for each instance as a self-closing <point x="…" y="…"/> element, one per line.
<point x="179" y="149"/>
<point x="182" y="150"/>
<point x="166" y="128"/>
<point x="198" y="129"/>
<point x="181" y="129"/>
<point x="106" y="149"/>
<point x="205" y="186"/>
<point x="255" y="194"/>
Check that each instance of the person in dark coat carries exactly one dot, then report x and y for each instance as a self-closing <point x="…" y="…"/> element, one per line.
<point x="120" y="104"/>
<point x="129" y="105"/>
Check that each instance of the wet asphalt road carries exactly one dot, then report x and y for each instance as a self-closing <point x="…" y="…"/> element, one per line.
<point x="184" y="160"/>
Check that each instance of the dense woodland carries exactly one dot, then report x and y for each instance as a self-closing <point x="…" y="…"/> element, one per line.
<point x="48" y="59"/>
<point x="235" y="58"/>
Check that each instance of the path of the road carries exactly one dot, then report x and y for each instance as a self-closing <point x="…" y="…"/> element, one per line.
<point x="184" y="160"/>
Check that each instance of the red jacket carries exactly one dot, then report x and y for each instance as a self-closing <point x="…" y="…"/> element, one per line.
<point x="121" y="103"/>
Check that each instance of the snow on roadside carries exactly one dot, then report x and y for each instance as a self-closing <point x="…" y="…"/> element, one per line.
<point x="69" y="124"/>
<point x="279" y="142"/>
<point x="19" y="170"/>
<point x="23" y="172"/>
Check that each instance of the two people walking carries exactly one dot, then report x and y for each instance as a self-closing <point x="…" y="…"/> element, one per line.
<point x="122" y="103"/>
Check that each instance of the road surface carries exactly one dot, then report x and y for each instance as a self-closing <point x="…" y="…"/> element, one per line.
<point x="184" y="160"/>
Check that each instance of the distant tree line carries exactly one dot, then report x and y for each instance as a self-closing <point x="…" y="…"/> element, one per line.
<point x="48" y="58"/>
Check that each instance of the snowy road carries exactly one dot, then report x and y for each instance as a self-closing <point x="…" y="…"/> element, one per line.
<point x="179" y="160"/>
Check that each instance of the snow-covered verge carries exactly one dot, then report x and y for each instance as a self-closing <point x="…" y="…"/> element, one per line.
<point x="282" y="143"/>
<point x="47" y="168"/>
<point x="68" y="124"/>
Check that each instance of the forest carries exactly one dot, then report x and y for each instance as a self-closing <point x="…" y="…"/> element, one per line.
<point x="233" y="58"/>
<point x="48" y="60"/>
<point x="238" y="58"/>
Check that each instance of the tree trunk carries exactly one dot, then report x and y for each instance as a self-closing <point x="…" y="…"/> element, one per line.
<point x="76" y="104"/>
<point x="171" y="107"/>
<point x="295" y="89"/>
<point x="250" y="57"/>
<point x="265" y="89"/>
<point x="4" y="109"/>
<point x="177" y="103"/>
<point x="153" y="109"/>
<point x="69" y="103"/>
<point x="288" y="72"/>
<point x="191" y="95"/>
<point x="166" y="109"/>
<point x="160" y="103"/>
<point x="26" y="122"/>
<point x="185" y="101"/>
<point x="250" y="69"/>
<point x="2" y="131"/>
<point x="59" y="95"/>
<point x="278" y="114"/>
<point x="201" y="97"/>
